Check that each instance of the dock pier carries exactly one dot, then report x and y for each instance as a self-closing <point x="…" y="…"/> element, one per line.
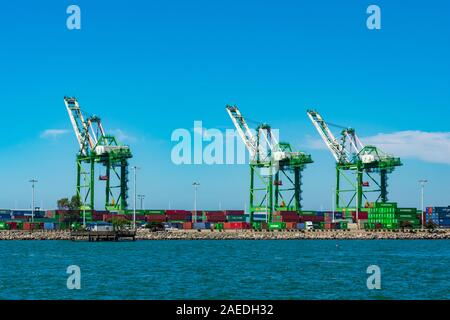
<point x="94" y="236"/>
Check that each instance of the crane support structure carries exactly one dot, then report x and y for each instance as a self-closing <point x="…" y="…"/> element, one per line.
<point x="358" y="166"/>
<point x="98" y="148"/>
<point x="275" y="170"/>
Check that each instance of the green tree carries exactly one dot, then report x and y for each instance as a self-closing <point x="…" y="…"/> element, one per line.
<point x="63" y="204"/>
<point x="75" y="203"/>
<point x="119" y="223"/>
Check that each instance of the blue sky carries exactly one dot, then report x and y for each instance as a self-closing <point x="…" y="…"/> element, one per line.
<point x="150" y="67"/>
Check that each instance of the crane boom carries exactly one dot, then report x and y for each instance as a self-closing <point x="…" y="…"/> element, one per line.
<point x="80" y="127"/>
<point x="244" y="131"/>
<point x="332" y="143"/>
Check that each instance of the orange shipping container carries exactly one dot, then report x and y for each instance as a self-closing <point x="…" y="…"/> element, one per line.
<point x="187" y="225"/>
<point x="291" y="225"/>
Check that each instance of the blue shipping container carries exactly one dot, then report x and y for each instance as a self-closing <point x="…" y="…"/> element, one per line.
<point x="442" y="209"/>
<point x="444" y="222"/>
<point x="301" y="226"/>
<point x="49" y="226"/>
<point x="201" y="225"/>
<point x="259" y="217"/>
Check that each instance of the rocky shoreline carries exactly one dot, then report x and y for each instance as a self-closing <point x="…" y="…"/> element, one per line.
<point x="245" y="235"/>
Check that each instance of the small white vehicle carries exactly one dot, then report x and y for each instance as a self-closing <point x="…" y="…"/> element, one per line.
<point x="309" y="225"/>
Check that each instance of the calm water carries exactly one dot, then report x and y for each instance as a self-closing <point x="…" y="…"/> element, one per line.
<point x="225" y="269"/>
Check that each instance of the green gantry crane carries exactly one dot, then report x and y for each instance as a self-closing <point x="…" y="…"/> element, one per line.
<point x="271" y="164"/>
<point x="97" y="147"/>
<point x="357" y="166"/>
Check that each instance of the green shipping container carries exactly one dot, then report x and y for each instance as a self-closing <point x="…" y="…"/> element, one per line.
<point x="407" y="210"/>
<point x="236" y="218"/>
<point x="4" y="226"/>
<point x="277" y="225"/>
<point x="149" y="212"/>
<point x="218" y="226"/>
<point x="257" y="225"/>
<point x="406" y="216"/>
<point x="385" y="204"/>
<point x="308" y="213"/>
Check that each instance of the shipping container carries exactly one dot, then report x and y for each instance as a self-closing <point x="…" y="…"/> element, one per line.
<point x="154" y="212"/>
<point x="260" y="225"/>
<point x="187" y="225"/>
<point x="49" y="226"/>
<point x="301" y="226"/>
<point x="236" y="218"/>
<point x="12" y="225"/>
<point x="155" y="218"/>
<point x="407" y="210"/>
<point x="219" y="226"/>
<point x="32" y="226"/>
<point x="311" y="218"/>
<point x="277" y="225"/>
<point x="291" y="225"/>
<point x="308" y="213"/>
<point x="201" y="225"/>
<point x="385" y="205"/>
<point x="236" y="225"/>
<point x="4" y="225"/>
<point x="170" y="212"/>
<point x="234" y="212"/>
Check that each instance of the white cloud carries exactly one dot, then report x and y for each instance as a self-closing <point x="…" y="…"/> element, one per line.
<point x="426" y="146"/>
<point x="54" y="133"/>
<point x="122" y="136"/>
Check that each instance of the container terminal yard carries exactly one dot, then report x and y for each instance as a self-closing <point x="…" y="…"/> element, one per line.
<point x="362" y="207"/>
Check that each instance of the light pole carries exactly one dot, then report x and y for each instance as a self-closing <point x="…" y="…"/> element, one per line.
<point x="141" y="198"/>
<point x="332" y="202"/>
<point x="195" y="184"/>
<point x="33" y="182"/>
<point x="134" y="204"/>
<point x="84" y="199"/>
<point x="422" y="187"/>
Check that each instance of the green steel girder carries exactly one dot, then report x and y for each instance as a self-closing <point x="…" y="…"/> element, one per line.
<point x="375" y="171"/>
<point x="265" y="191"/>
<point x="115" y="163"/>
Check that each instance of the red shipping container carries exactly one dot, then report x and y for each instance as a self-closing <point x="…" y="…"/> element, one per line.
<point x="169" y="212"/>
<point x="311" y="218"/>
<point x="234" y="212"/>
<point x="361" y="215"/>
<point x="155" y="218"/>
<point x="215" y="219"/>
<point x="236" y="225"/>
<point x="187" y="225"/>
<point x="177" y="217"/>
<point x="12" y="225"/>
<point x="214" y="212"/>
<point x="32" y="226"/>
